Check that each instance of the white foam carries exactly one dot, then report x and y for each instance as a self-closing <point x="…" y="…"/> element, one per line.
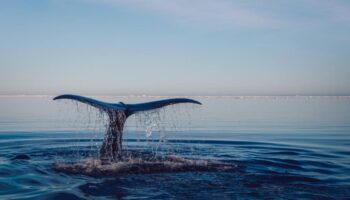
<point x="138" y="165"/>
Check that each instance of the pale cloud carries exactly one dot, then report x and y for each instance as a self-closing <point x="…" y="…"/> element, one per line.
<point x="337" y="10"/>
<point x="213" y="11"/>
<point x="220" y="11"/>
<point x="249" y="13"/>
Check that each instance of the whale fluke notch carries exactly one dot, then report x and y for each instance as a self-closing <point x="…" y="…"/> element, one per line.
<point x="111" y="149"/>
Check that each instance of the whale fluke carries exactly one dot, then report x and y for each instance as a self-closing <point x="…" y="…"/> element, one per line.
<point x="92" y="102"/>
<point x="129" y="108"/>
<point x="158" y="104"/>
<point x="111" y="149"/>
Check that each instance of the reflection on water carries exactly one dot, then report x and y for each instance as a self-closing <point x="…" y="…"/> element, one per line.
<point x="284" y="148"/>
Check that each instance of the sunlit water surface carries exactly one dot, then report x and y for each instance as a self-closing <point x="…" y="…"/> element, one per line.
<point x="284" y="148"/>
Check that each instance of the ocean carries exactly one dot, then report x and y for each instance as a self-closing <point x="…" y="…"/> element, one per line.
<point x="283" y="147"/>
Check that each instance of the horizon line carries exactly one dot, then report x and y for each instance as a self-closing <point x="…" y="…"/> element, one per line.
<point x="181" y="95"/>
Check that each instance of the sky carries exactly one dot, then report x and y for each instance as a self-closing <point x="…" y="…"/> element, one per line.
<point x="175" y="47"/>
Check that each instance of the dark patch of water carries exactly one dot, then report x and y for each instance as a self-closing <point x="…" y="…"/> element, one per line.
<point x="264" y="170"/>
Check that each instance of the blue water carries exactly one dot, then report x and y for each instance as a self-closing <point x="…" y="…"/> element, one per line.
<point x="285" y="148"/>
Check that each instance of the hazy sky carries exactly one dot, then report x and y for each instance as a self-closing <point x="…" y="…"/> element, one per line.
<point x="175" y="47"/>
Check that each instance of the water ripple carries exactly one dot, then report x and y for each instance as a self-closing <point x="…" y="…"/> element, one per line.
<point x="264" y="170"/>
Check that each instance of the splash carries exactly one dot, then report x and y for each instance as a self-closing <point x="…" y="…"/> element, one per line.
<point x="143" y="165"/>
<point x="118" y="113"/>
<point x="113" y="160"/>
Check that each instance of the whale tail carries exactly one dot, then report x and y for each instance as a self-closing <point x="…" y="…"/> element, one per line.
<point x="129" y="109"/>
<point x="111" y="149"/>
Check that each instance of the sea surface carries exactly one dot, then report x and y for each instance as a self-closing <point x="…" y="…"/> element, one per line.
<point x="286" y="147"/>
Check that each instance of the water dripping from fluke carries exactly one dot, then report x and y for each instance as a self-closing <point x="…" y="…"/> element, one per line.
<point x="112" y="160"/>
